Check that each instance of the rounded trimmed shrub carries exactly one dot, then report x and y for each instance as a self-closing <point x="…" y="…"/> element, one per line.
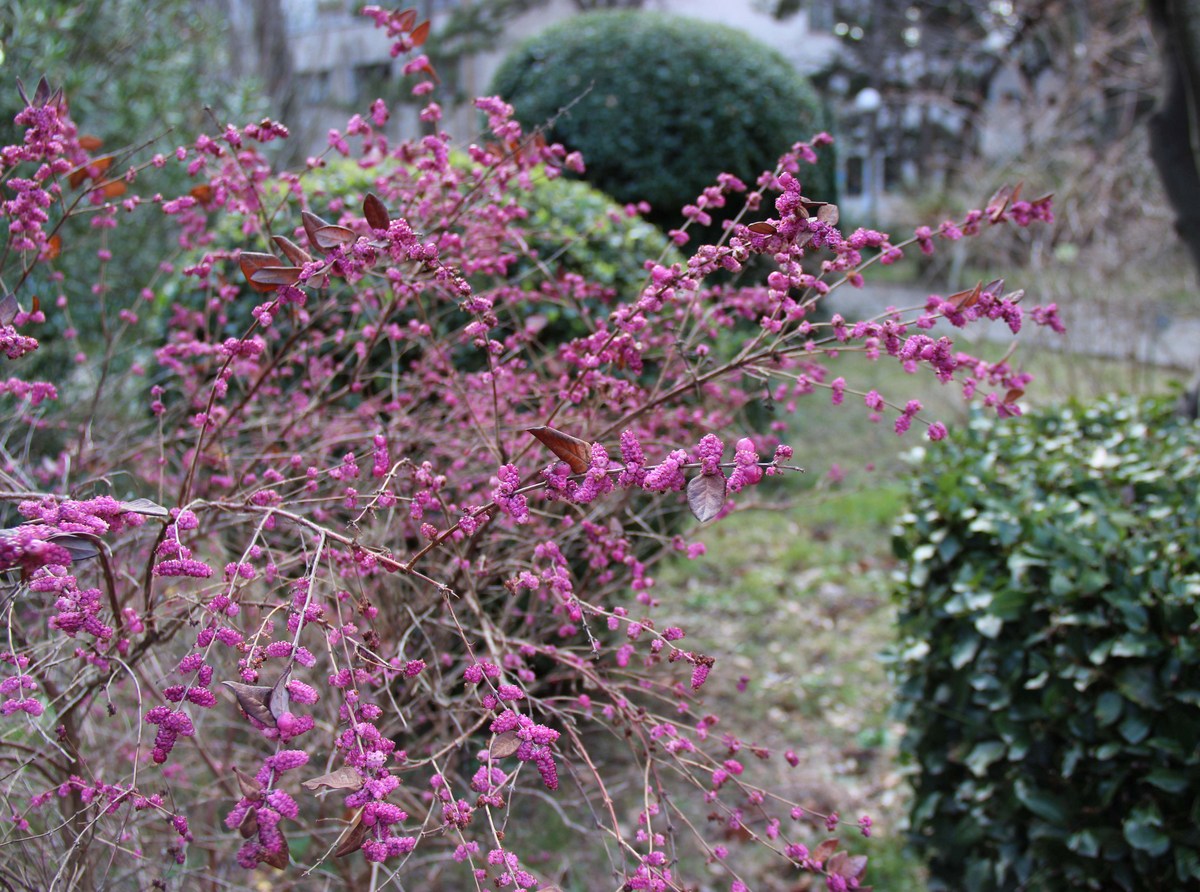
<point x="659" y="105"/>
<point x="1050" y="661"/>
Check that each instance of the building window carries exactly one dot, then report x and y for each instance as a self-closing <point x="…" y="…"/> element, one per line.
<point x="854" y="175"/>
<point x="312" y="88"/>
<point x="893" y="172"/>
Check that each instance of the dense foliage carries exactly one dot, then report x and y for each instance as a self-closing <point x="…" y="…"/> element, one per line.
<point x="335" y="564"/>
<point x="1051" y="670"/>
<point x="659" y="105"/>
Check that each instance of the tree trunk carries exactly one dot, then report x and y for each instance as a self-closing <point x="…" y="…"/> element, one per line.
<point x="1175" y="131"/>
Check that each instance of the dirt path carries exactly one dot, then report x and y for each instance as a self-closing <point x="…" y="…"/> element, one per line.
<point x="1172" y="343"/>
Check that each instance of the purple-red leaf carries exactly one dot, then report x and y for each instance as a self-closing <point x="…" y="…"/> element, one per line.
<point x="376" y="214"/>
<point x="574" y="451"/>
<point x="329" y="237"/>
<point x="406" y="19"/>
<point x="251" y="263"/>
<point x="311" y="224"/>
<point x="825" y="849"/>
<point x="706" y="496"/>
<point x="293" y="252"/>
<point x="275" y="275"/>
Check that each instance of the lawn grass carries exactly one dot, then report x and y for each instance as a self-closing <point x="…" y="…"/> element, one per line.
<point x="797" y="598"/>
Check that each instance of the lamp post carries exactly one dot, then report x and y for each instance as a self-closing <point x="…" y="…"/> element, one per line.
<point x="867" y="103"/>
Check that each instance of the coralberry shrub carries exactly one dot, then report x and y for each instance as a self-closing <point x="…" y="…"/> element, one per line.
<point x="324" y="558"/>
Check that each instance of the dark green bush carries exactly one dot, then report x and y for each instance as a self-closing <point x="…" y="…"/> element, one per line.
<point x="673" y="103"/>
<point x="1050" y="667"/>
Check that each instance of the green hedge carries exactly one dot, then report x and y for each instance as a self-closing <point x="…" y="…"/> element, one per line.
<point x="673" y="102"/>
<point x="572" y="227"/>
<point x="1050" y="658"/>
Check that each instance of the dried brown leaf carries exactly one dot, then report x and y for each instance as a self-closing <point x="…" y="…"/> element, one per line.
<point x="706" y="496"/>
<point x="354" y="839"/>
<point x="8" y="309"/>
<point x="113" y="189"/>
<point x="250" y="787"/>
<point x="146" y="508"/>
<point x="762" y="228"/>
<point x="280" y="699"/>
<point x="420" y="33"/>
<point x="856" y="866"/>
<point x="376" y="214"/>
<point x="505" y="745"/>
<point x="279" y="859"/>
<point x="81" y="546"/>
<point x="829" y="213"/>
<point x="249" y="825"/>
<point x="344" y="778"/>
<point x="963" y="299"/>
<point x="994" y="287"/>
<point x="428" y="68"/>
<point x="203" y="193"/>
<point x="254" y="700"/>
<point x="574" y="451"/>
<point x="998" y="203"/>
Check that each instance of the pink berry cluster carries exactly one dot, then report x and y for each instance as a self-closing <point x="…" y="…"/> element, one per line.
<point x="389" y="492"/>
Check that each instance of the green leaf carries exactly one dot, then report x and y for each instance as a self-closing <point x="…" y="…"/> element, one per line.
<point x="989" y="626"/>
<point x="1084" y="843"/>
<point x="1135" y="728"/>
<point x="1168" y="780"/>
<point x="1109" y="706"/>
<point x="983" y="755"/>
<point x="1141" y="830"/>
<point x="1042" y="803"/>
<point x="964" y="651"/>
